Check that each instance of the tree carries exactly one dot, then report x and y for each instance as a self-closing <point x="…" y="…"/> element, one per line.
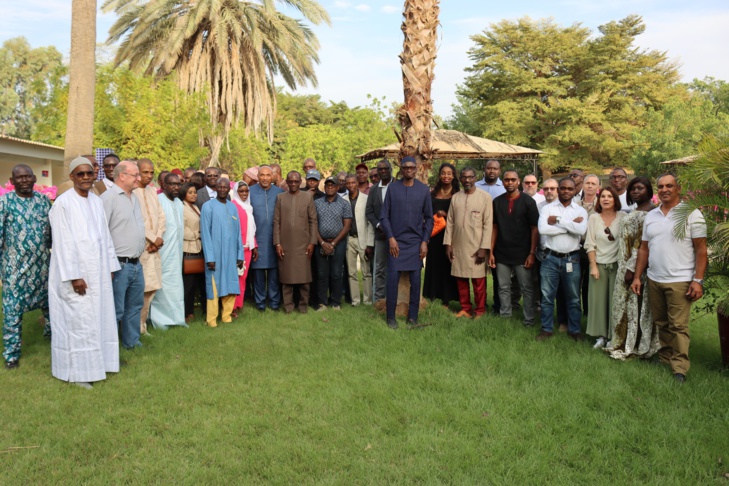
<point x="674" y="131"/>
<point x="716" y="90"/>
<point x="25" y="82"/>
<point x="575" y="96"/>
<point x="418" y="66"/>
<point x="82" y="81"/>
<point x="228" y="49"/>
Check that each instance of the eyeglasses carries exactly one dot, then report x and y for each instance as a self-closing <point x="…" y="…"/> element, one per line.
<point x="609" y="234"/>
<point x="573" y="176"/>
<point x="109" y="166"/>
<point x="408" y="167"/>
<point x="529" y="183"/>
<point x="136" y="176"/>
<point x="614" y="177"/>
<point x="83" y="174"/>
<point x="549" y="188"/>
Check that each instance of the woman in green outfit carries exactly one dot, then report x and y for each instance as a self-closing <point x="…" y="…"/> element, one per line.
<point x="601" y="244"/>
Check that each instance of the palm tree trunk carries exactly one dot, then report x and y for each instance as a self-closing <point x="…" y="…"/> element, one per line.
<point x="418" y="65"/>
<point x="82" y="81"/>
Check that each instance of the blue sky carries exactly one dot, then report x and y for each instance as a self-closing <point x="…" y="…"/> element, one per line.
<point x="359" y="52"/>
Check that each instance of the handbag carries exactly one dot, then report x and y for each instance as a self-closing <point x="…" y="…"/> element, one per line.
<point x="193" y="264"/>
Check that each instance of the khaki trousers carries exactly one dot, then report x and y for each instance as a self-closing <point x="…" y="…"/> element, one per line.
<point x="148" y="296"/>
<point x="228" y="302"/>
<point x="354" y="252"/>
<point x="671" y="313"/>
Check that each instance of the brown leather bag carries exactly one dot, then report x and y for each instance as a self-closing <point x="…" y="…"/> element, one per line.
<point x="193" y="264"/>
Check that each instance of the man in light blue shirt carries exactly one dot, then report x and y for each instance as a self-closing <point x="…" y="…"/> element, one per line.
<point x="491" y="182"/>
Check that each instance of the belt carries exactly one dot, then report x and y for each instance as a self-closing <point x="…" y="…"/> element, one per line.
<point x="353" y="235"/>
<point x="560" y="255"/>
<point x="128" y="260"/>
<point x="192" y="254"/>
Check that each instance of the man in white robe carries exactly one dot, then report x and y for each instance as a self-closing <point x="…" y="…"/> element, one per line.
<point x="84" y="338"/>
<point x="154" y="228"/>
<point x="168" y="305"/>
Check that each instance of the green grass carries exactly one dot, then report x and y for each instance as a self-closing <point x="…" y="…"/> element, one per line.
<point x="338" y="398"/>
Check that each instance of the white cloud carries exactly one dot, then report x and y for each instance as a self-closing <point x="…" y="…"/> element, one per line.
<point x="341" y="4"/>
<point x="362" y="7"/>
<point x="389" y="9"/>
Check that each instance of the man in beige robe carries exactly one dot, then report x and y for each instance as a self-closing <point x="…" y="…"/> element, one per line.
<point x="154" y="228"/>
<point x="294" y="237"/>
<point x="467" y="242"/>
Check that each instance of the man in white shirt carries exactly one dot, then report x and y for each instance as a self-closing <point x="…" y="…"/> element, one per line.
<point x="619" y="182"/>
<point x="108" y="165"/>
<point x="562" y="224"/>
<point x="676" y="269"/>
<point x="529" y="186"/>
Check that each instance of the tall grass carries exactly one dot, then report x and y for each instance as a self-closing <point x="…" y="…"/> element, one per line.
<point x="338" y="398"/>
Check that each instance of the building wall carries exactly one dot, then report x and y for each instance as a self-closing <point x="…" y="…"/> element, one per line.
<point x="46" y="161"/>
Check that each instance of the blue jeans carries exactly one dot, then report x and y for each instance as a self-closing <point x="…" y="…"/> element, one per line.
<point x="330" y="274"/>
<point x="265" y="283"/>
<point x="553" y="272"/>
<point x="128" y="285"/>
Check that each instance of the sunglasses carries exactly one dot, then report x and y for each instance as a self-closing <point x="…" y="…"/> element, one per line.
<point x="609" y="234"/>
<point x="530" y="183"/>
<point x="83" y="174"/>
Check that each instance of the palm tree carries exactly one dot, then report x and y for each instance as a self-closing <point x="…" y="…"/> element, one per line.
<point x="418" y="65"/>
<point x="82" y="81"/>
<point x="706" y="181"/>
<point x="228" y="49"/>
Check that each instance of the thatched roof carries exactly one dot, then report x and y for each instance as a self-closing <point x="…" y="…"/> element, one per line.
<point x="450" y="144"/>
<point x="681" y="161"/>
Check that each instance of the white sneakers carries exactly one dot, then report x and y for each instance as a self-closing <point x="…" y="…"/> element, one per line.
<point x="600" y="343"/>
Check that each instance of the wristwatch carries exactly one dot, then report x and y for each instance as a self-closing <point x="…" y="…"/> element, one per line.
<point x="699" y="281"/>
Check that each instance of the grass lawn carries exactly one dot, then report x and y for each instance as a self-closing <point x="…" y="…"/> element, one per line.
<point x="338" y="398"/>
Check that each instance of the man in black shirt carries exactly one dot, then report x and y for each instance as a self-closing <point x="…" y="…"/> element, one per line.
<point x="514" y="244"/>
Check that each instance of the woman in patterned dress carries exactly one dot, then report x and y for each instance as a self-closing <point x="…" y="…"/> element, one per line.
<point x="634" y="332"/>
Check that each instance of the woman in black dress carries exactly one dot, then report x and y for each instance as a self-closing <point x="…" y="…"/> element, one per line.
<point x="438" y="283"/>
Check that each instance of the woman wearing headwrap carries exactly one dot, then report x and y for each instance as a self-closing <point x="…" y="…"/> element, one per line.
<point x="239" y="195"/>
<point x="250" y="176"/>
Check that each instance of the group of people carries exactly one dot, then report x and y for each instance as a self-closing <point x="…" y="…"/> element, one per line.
<point x="126" y="254"/>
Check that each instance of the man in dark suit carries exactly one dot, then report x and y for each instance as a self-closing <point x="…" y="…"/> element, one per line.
<point x="374" y="206"/>
<point x="212" y="174"/>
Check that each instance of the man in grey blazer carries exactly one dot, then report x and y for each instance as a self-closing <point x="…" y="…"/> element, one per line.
<point x="374" y="205"/>
<point x="212" y="174"/>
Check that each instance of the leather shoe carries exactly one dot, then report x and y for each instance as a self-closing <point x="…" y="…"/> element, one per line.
<point x="11" y="365"/>
<point x="463" y="313"/>
<point x="543" y="336"/>
<point x="679" y="377"/>
<point x="576" y="336"/>
<point x="392" y="323"/>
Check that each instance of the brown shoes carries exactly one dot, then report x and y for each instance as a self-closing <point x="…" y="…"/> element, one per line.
<point x="463" y="313"/>
<point x="544" y="335"/>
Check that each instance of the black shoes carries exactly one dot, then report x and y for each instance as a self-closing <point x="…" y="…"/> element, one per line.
<point x="679" y="377"/>
<point x="392" y="323"/>
<point x="11" y="365"/>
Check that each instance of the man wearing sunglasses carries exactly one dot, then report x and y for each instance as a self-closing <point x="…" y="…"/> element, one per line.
<point x="562" y="224"/>
<point x="84" y="343"/>
<point x="529" y="187"/>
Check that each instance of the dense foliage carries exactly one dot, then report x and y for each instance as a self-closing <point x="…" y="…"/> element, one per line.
<point x="587" y="100"/>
